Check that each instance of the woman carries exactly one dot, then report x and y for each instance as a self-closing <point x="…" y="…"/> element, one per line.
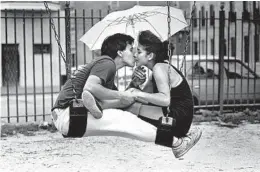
<point x="153" y="53"/>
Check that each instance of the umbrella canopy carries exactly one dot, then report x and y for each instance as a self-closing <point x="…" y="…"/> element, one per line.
<point x="134" y="20"/>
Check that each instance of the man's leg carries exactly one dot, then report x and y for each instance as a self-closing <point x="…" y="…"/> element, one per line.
<point x="114" y="122"/>
<point x="121" y="123"/>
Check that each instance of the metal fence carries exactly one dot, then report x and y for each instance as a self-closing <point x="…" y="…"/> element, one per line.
<point x="221" y="65"/>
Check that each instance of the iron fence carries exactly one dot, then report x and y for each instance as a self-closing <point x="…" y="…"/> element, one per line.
<point x="221" y="65"/>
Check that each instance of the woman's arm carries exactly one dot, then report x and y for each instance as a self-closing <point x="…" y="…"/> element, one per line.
<point x="162" y="98"/>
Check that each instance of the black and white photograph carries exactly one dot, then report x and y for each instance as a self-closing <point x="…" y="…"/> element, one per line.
<point x="130" y="86"/>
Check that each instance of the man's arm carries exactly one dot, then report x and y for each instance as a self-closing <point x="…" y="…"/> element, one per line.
<point x="109" y="98"/>
<point x="93" y="85"/>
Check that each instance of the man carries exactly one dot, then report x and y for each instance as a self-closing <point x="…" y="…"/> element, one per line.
<point x="95" y="81"/>
<point x="98" y="76"/>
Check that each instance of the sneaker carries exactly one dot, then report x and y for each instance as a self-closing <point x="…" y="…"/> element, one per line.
<point x="187" y="143"/>
<point x="91" y="104"/>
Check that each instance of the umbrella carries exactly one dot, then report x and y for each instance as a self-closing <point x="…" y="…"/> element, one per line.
<point x="133" y="20"/>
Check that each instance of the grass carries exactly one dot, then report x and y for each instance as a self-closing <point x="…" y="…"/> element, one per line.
<point x="27" y="129"/>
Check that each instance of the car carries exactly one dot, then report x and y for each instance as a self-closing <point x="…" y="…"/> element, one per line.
<point x="241" y="83"/>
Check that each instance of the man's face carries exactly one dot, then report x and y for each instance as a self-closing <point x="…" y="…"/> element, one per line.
<point x="128" y="55"/>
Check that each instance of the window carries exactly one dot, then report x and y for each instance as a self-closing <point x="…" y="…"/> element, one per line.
<point x="195" y="48"/>
<point x="245" y="6"/>
<point x="257" y="52"/>
<point x="212" y="15"/>
<point x="232" y="6"/>
<point x="212" y="45"/>
<point x="235" y="69"/>
<point x="203" y="20"/>
<point x="42" y="48"/>
<point x="245" y="14"/>
<point x="73" y="59"/>
<point x="232" y="15"/>
<point x="203" y="47"/>
<point x="256" y="10"/>
<point x="246" y="49"/>
<point x="203" y="69"/>
<point x="195" y="17"/>
<point x="225" y="47"/>
<point x="233" y="47"/>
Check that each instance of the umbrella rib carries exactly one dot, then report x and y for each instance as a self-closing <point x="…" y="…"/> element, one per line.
<point x="101" y="34"/>
<point x="153" y="28"/>
<point x="174" y="18"/>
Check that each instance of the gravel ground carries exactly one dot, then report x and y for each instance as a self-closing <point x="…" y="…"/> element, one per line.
<point x="220" y="149"/>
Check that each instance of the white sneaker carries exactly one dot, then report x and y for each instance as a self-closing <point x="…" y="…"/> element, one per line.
<point x="187" y="143"/>
<point x="91" y="104"/>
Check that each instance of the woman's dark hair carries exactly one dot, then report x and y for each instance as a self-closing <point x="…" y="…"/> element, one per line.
<point x="152" y="44"/>
<point x="114" y="43"/>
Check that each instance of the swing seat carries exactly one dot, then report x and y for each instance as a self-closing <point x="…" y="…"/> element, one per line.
<point x="164" y="135"/>
<point x="78" y="119"/>
<point x="77" y="108"/>
<point x="167" y="122"/>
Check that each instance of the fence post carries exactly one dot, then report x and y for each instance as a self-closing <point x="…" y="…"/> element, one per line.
<point x="221" y="56"/>
<point x="68" y="44"/>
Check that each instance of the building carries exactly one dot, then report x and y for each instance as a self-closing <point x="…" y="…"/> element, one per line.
<point x="242" y="30"/>
<point x="30" y="56"/>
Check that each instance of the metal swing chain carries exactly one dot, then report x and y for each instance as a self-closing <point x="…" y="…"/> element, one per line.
<point x="57" y="38"/>
<point x="188" y="35"/>
<point x="169" y="54"/>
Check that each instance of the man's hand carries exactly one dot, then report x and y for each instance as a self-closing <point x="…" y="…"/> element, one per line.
<point x="139" y="76"/>
<point x="127" y="98"/>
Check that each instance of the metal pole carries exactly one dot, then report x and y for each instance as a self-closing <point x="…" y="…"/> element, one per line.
<point x="68" y="45"/>
<point x="221" y="56"/>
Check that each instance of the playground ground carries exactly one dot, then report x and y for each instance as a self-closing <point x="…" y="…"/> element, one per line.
<point x="221" y="148"/>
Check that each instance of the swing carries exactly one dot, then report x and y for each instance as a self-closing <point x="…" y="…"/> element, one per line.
<point x="166" y="123"/>
<point x="78" y="109"/>
<point x="76" y="105"/>
<point x="169" y="121"/>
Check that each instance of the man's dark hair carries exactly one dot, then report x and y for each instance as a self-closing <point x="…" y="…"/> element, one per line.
<point x="114" y="43"/>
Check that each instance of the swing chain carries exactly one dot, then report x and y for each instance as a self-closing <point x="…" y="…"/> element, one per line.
<point x="169" y="54"/>
<point x="188" y="35"/>
<point x="57" y="38"/>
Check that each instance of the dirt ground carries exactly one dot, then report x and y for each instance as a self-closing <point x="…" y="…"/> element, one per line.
<point x="220" y="149"/>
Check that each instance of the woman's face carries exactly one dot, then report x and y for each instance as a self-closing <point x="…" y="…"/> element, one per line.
<point x="141" y="56"/>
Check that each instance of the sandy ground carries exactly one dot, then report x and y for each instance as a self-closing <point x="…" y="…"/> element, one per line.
<point x="220" y="149"/>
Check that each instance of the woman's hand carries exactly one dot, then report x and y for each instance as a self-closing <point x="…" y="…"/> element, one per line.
<point x="139" y="76"/>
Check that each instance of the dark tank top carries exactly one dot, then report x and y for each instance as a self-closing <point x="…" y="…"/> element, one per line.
<point x="181" y="97"/>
